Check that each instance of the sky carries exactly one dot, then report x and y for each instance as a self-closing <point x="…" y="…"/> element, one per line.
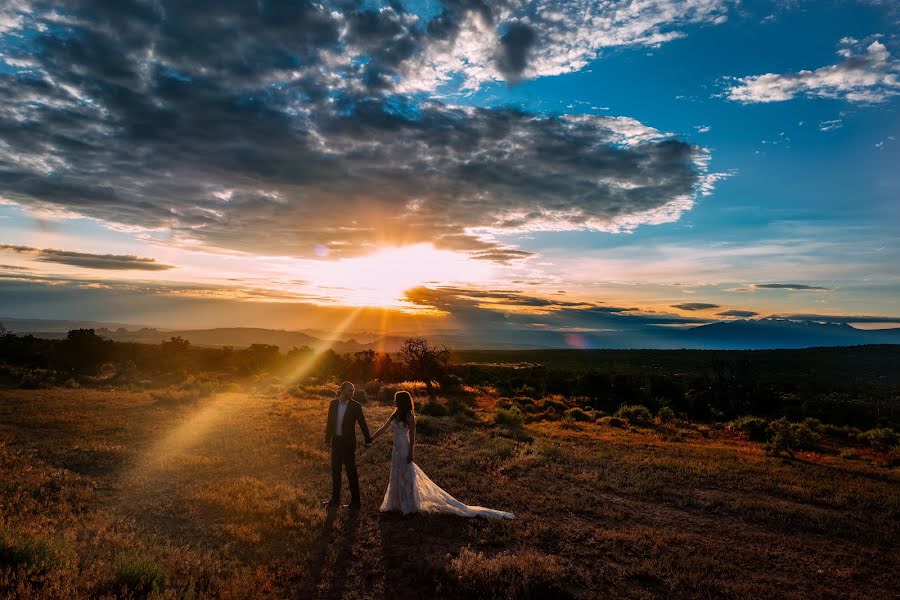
<point x="424" y="165"/>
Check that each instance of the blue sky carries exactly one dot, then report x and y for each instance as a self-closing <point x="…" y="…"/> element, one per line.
<point x="740" y="157"/>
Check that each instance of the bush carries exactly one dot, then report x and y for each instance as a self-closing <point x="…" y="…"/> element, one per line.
<point x="611" y="422"/>
<point x="386" y="394"/>
<point x="636" y="414"/>
<point x="22" y="549"/>
<point x="139" y="574"/>
<point x="459" y="407"/>
<point x="553" y="404"/>
<point x="665" y="415"/>
<point x="757" y="429"/>
<point x="787" y="437"/>
<point x="509" y="416"/>
<point x="881" y="438"/>
<point x="372" y="388"/>
<point x="849" y="453"/>
<point x="433" y="408"/>
<point x="576" y="414"/>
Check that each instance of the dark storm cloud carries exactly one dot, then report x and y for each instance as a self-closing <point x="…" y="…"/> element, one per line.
<point x="691" y="306"/>
<point x="111" y="262"/>
<point x="789" y="286"/>
<point x="283" y="128"/>
<point x="515" y="45"/>
<point x="738" y="313"/>
<point x="487" y="309"/>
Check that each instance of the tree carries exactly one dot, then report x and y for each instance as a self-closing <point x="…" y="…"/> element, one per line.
<point x="425" y="362"/>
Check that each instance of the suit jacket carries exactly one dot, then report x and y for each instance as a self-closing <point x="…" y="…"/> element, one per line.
<point x="352" y="416"/>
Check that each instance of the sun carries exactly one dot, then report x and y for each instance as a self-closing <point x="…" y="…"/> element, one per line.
<point x="381" y="278"/>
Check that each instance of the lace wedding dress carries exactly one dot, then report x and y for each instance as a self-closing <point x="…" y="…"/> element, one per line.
<point x="411" y="491"/>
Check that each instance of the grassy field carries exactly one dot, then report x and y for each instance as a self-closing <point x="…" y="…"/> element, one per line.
<point x="164" y="494"/>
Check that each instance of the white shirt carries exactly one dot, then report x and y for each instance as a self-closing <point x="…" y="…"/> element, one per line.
<point x="339" y="422"/>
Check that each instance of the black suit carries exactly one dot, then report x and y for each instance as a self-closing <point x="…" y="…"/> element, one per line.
<point x="343" y="446"/>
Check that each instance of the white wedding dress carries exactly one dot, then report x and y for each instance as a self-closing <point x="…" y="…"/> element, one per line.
<point x="411" y="491"/>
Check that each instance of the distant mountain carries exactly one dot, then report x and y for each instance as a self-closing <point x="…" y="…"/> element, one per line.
<point x="747" y="334"/>
<point x="781" y="333"/>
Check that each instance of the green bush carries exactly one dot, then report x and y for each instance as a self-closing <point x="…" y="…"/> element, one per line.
<point x="372" y="388"/>
<point x="636" y="414"/>
<point x="611" y="422"/>
<point x="665" y="415"/>
<point x="576" y="414"/>
<point x="756" y="428"/>
<point x="552" y="404"/>
<point x="434" y="408"/>
<point x="460" y="407"/>
<point x="881" y="438"/>
<point x="386" y="394"/>
<point x="139" y="574"/>
<point x="787" y="437"/>
<point x="509" y="416"/>
<point x="22" y="549"/>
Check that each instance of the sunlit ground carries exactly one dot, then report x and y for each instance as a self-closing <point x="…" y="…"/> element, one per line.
<point x="220" y="497"/>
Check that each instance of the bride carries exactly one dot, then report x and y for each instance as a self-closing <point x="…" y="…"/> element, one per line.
<point x="409" y="489"/>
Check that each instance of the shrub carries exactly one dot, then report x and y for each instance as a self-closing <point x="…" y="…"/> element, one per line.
<point x="360" y="395"/>
<point x="22" y="549"/>
<point x="434" y="408"/>
<point x="665" y="415"/>
<point x="509" y="416"/>
<point x="372" y="388"/>
<point x="757" y="429"/>
<point x="576" y="414"/>
<point x="635" y="414"/>
<point x="517" y="576"/>
<point x="386" y="394"/>
<point x="459" y="407"/>
<point x="881" y="438"/>
<point x="139" y="574"/>
<point x="788" y="437"/>
<point x="553" y="404"/>
<point x="849" y="453"/>
<point x="611" y="421"/>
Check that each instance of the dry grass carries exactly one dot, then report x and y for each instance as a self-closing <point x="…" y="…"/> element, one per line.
<point x="116" y="494"/>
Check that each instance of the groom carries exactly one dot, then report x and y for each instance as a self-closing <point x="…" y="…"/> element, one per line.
<point x="343" y="414"/>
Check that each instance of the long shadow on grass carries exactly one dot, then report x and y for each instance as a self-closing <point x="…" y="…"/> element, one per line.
<point x="319" y="554"/>
<point x="343" y="561"/>
<point x="413" y="546"/>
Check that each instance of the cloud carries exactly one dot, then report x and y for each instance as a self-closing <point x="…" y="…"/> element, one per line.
<point x="789" y="286"/>
<point x="486" y="309"/>
<point x="111" y="262"/>
<point x="303" y="136"/>
<point x="738" y="313"/>
<point x="831" y="125"/>
<point x="867" y="77"/>
<point x="692" y="306"/>
<point x="477" y="42"/>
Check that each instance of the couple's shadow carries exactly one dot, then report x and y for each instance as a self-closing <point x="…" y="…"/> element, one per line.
<point x="406" y="563"/>
<point x="328" y="536"/>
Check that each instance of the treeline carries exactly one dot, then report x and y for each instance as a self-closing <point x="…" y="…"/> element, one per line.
<point x="732" y="385"/>
<point x="83" y="353"/>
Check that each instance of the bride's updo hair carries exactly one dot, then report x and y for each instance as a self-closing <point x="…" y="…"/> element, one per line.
<point x="404" y="403"/>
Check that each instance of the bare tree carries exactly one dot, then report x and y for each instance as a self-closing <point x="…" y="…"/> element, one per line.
<point x="425" y="362"/>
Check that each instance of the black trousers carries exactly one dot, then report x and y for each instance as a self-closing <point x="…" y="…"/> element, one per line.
<point x="343" y="453"/>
